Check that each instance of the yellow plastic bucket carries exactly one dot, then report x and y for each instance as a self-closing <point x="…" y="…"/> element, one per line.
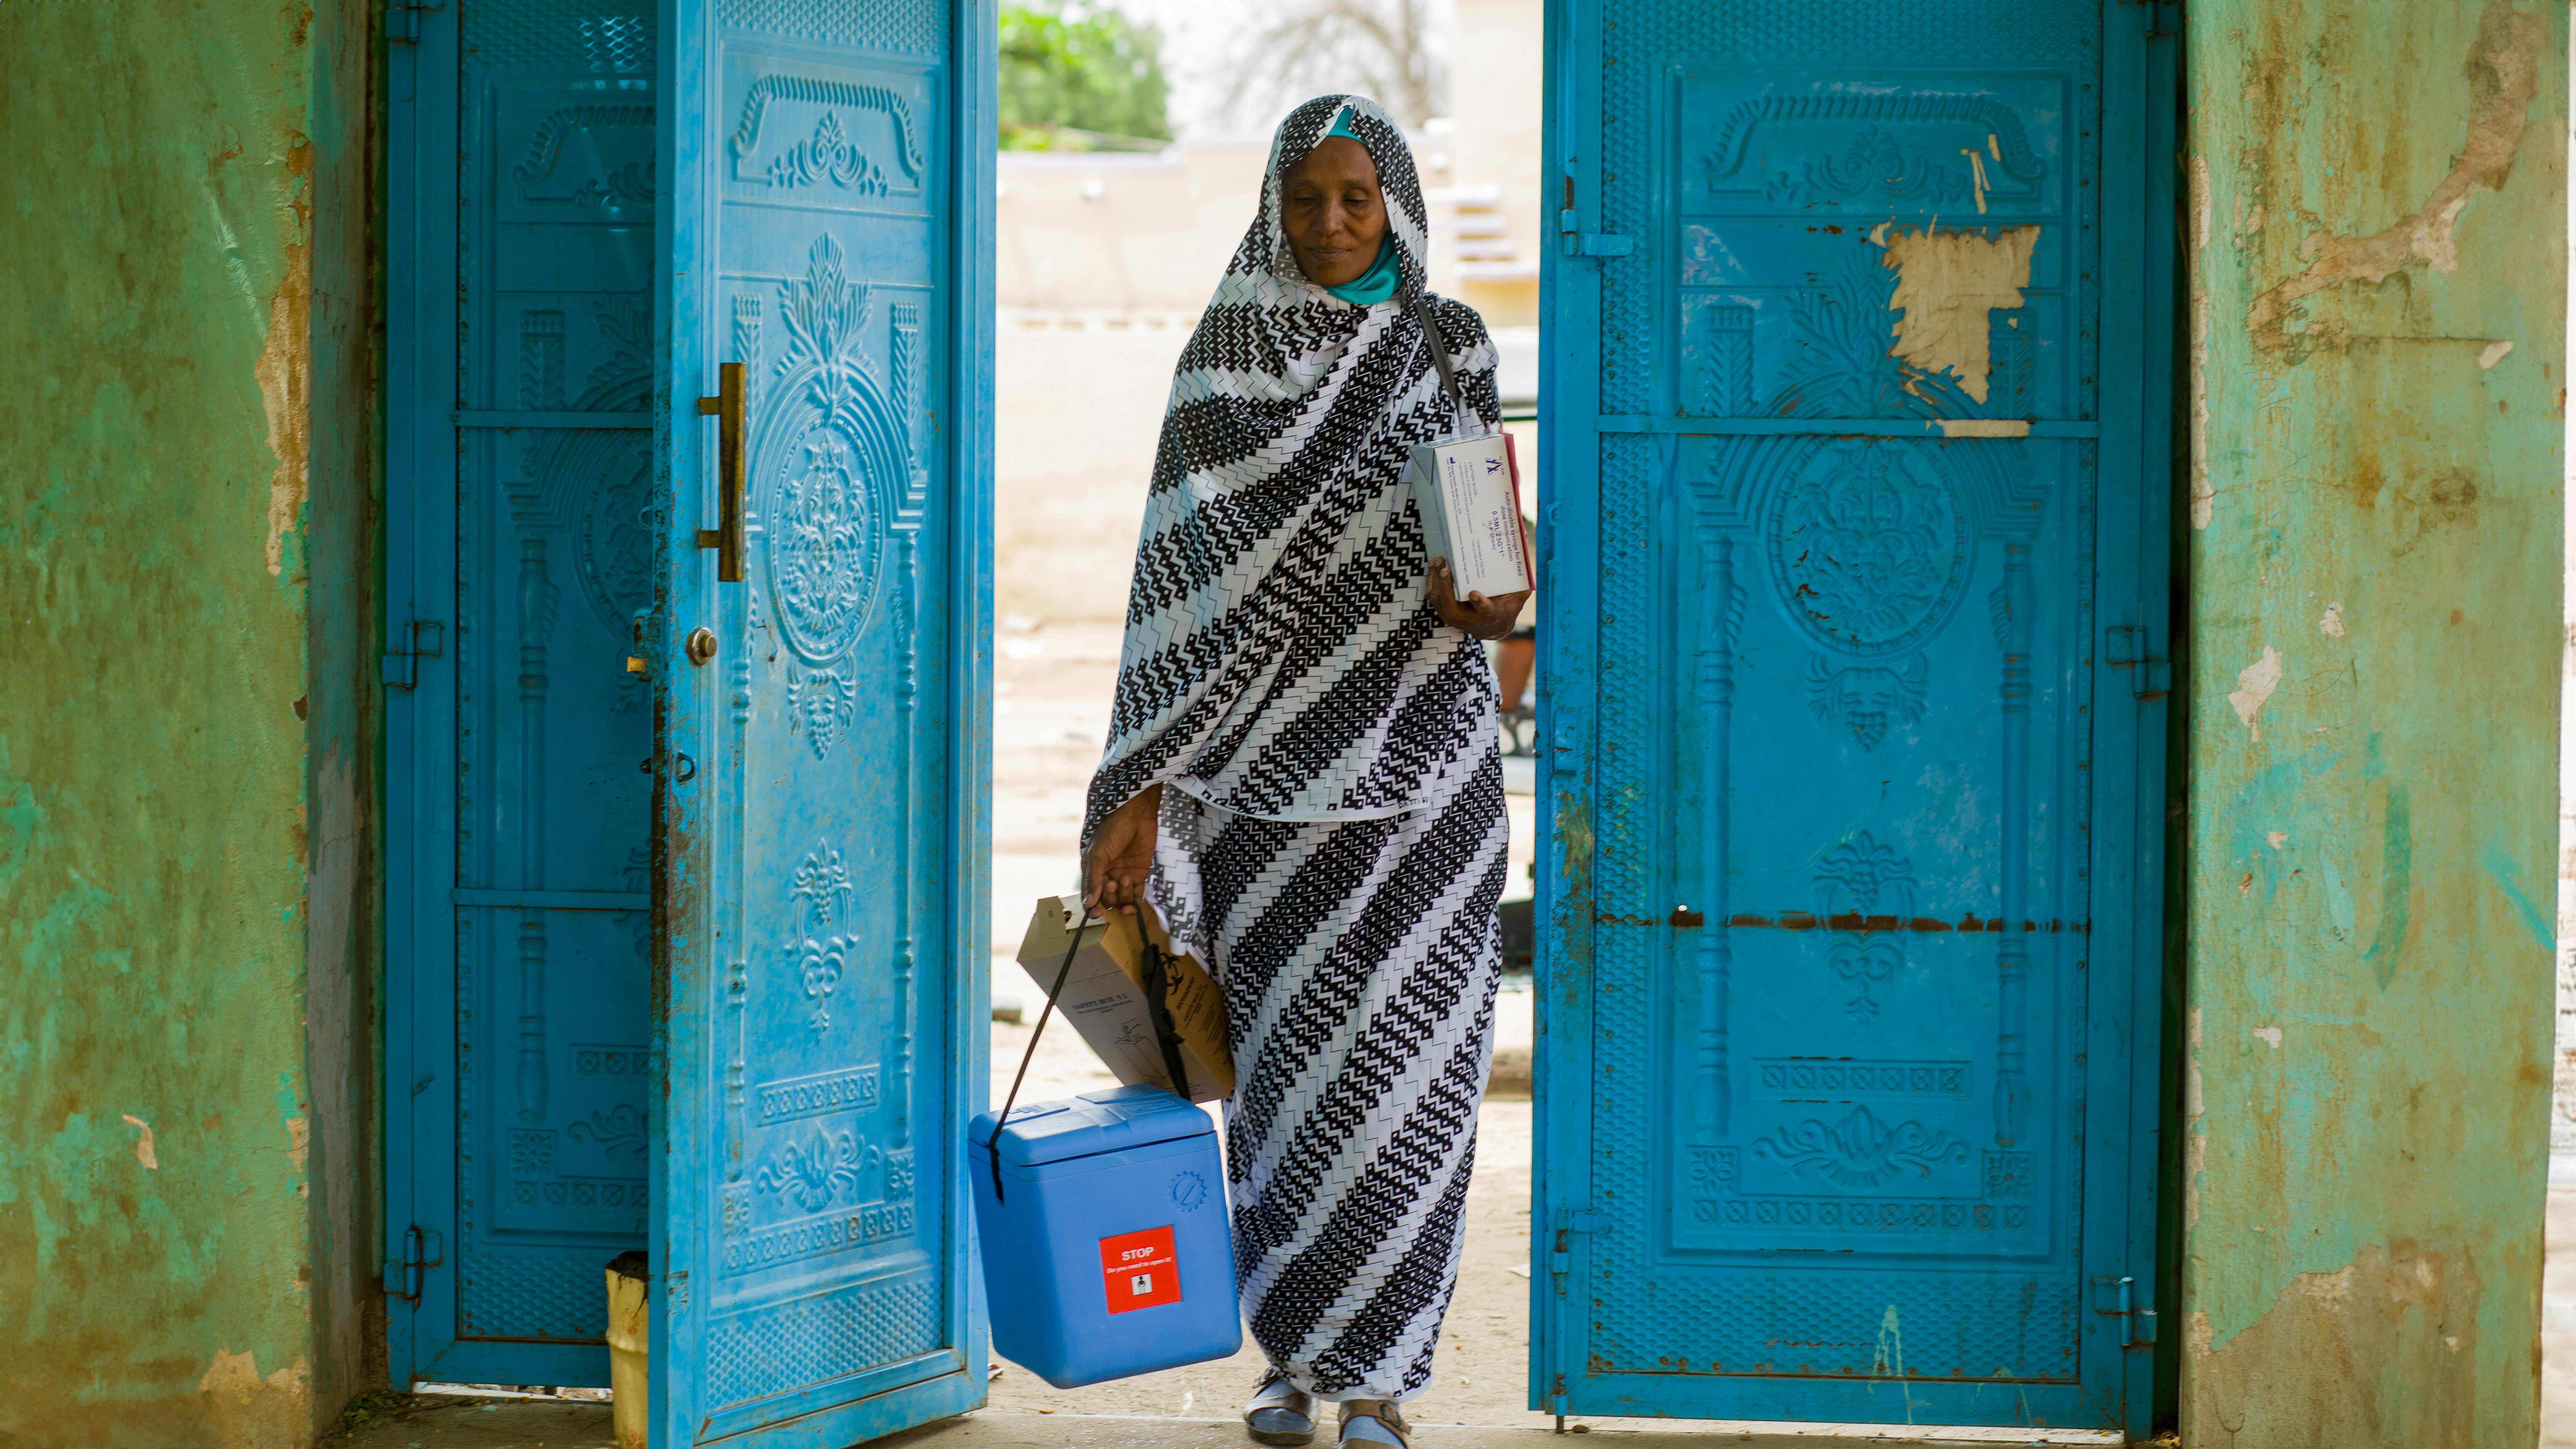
<point x="629" y="1316"/>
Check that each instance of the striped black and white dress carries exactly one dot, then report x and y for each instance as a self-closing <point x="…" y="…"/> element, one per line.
<point x="1332" y="829"/>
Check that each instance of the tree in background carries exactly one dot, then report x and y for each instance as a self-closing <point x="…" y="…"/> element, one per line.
<point x="1384" y="49"/>
<point x="1080" y="77"/>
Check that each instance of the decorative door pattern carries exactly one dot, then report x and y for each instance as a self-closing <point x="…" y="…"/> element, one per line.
<point x="555" y="117"/>
<point x="819" y="1180"/>
<point x="1824" y="935"/>
<point x="1845" y="768"/>
<point x="810" y="1210"/>
<point x="744" y="1050"/>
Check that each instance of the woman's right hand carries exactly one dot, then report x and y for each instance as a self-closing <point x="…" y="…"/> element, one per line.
<point x="1122" y="855"/>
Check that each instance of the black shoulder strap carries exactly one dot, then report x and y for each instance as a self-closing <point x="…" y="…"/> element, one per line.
<point x="1439" y="346"/>
<point x="1071" y="949"/>
<point x="1158" y="1011"/>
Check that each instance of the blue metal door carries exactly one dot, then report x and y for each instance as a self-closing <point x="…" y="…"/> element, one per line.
<point x="706" y="987"/>
<point x="1856" y="577"/>
<point x="820" y="681"/>
<point x="518" y="864"/>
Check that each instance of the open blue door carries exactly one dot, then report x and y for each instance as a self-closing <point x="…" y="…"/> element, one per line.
<point x="519" y="471"/>
<point x="821" y="684"/>
<point x="1856" y="591"/>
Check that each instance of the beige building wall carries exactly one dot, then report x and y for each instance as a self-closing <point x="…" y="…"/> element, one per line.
<point x="1102" y="265"/>
<point x="1120" y="232"/>
<point x="1490" y="259"/>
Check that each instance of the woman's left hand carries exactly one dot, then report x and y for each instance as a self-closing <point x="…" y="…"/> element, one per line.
<point x="1483" y="617"/>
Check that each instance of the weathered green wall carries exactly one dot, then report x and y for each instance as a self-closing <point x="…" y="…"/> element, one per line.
<point x="2377" y="373"/>
<point x="186" y="760"/>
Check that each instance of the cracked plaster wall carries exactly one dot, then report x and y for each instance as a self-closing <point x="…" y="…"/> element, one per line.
<point x="187" y="757"/>
<point x="2377" y="195"/>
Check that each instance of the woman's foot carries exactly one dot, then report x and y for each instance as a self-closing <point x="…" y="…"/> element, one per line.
<point x="1280" y="1412"/>
<point x="1374" y="1421"/>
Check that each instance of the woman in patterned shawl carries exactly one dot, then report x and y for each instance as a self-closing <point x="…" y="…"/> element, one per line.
<point x="1302" y="774"/>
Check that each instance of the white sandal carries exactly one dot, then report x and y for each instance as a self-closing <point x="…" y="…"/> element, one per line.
<point x="1380" y="1421"/>
<point x="1280" y="1412"/>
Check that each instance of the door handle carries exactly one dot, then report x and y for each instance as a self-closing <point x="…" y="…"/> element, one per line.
<point x="726" y="537"/>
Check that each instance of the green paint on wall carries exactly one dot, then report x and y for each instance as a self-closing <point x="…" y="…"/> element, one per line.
<point x="2374" y="516"/>
<point x="2507" y="878"/>
<point x="164" y="348"/>
<point x="2396" y="885"/>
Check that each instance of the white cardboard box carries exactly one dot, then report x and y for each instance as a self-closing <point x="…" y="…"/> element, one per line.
<point x="1468" y="492"/>
<point x="1104" y="996"/>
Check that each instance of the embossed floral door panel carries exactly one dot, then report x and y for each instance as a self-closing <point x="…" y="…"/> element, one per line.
<point x="1859" y="957"/>
<point x="820" y="867"/>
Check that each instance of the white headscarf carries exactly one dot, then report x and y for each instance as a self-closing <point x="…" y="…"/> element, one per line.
<point x="1282" y="658"/>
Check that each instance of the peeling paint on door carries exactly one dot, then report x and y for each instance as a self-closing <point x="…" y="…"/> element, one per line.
<point x="1946" y="283"/>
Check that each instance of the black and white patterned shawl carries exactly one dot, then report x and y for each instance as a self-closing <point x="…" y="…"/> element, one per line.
<point x="1282" y="658"/>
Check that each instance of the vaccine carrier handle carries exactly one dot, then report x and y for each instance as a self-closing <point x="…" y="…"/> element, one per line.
<point x="1071" y="949"/>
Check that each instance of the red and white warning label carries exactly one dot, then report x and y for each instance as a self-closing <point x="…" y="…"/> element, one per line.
<point x="1140" y="1270"/>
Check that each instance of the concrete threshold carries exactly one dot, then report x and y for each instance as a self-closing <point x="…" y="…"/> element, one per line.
<point x="486" y="1423"/>
<point x="1005" y="1430"/>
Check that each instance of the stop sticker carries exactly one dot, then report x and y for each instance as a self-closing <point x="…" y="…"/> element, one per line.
<point x="1140" y="1270"/>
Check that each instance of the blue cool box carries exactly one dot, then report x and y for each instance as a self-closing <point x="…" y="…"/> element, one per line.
<point x="1108" y="1253"/>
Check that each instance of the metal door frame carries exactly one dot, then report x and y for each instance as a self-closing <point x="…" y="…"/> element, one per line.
<point x="2132" y="583"/>
<point x="420" y="722"/>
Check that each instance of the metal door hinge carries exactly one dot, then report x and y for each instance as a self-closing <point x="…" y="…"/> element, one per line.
<point x="1577" y="242"/>
<point x="423" y="1249"/>
<point x="2119" y="1297"/>
<point x="402" y="20"/>
<point x="2126" y="648"/>
<point x="400" y="668"/>
<point x="1560" y="1253"/>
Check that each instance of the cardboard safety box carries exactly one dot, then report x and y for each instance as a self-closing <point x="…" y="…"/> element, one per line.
<point x="1104" y="996"/>
<point x="1468" y="492"/>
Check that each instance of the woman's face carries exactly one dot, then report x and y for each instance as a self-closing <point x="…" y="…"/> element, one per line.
<point x="1333" y="212"/>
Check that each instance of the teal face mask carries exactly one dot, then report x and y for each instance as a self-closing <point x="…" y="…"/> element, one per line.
<point x="1377" y="283"/>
